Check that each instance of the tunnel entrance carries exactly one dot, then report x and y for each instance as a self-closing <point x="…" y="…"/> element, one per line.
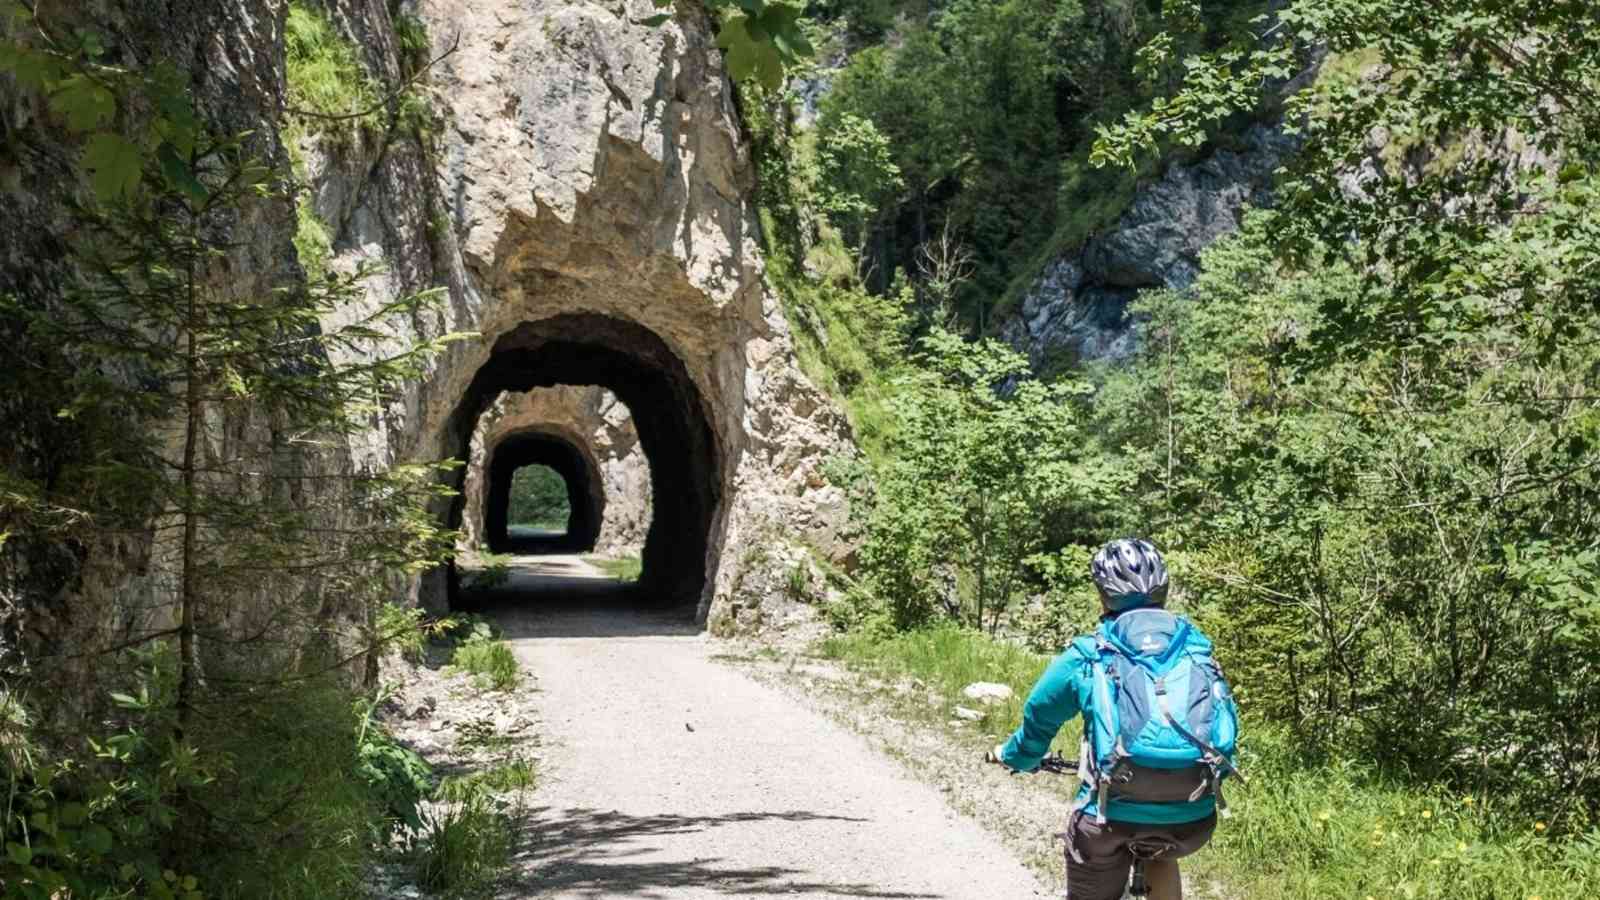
<point x="674" y="433"/>
<point x="552" y="487"/>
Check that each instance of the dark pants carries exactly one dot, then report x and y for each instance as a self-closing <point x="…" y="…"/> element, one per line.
<point x="1106" y="860"/>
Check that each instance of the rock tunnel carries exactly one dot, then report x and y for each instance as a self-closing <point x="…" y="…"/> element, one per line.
<point x="675" y="434"/>
<point x="570" y="460"/>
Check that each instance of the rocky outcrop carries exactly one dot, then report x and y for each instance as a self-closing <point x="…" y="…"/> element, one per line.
<point x="1077" y="307"/>
<point x="579" y="192"/>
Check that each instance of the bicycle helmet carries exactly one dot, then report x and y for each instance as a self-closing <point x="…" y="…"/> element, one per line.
<point x="1129" y="573"/>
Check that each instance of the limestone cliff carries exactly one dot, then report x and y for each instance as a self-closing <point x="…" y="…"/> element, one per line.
<point x="580" y="192"/>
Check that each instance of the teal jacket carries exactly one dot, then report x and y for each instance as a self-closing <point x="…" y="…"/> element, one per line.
<point x="1062" y="693"/>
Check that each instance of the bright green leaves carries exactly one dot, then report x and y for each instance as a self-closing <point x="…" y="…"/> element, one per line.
<point x="114" y="165"/>
<point x="750" y="53"/>
<point x="762" y="39"/>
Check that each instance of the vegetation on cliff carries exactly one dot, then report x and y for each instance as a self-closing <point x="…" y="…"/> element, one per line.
<point x="1365" y="435"/>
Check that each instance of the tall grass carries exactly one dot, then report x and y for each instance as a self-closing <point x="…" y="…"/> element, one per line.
<point x="491" y="663"/>
<point x="1304" y="828"/>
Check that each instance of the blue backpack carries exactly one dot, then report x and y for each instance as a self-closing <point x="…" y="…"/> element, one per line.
<point x="1161" y="725"/>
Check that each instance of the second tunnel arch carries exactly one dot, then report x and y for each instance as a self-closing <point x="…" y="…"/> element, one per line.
<point x="669" y="415"/>
<point x="571" y="458"/>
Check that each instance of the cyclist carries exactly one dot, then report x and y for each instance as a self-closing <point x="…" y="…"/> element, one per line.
<point x="1130" y="575"/>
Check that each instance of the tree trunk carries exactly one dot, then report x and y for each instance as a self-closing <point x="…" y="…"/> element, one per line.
<point x="188" y="653"/>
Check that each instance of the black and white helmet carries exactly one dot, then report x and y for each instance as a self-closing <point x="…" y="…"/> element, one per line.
<point x="1129" y="572"/>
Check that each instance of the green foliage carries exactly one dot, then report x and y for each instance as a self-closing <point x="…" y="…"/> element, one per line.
<point x="538" y="499"/>
<point x="988" y="110"/>
<point x="625" y="568"/>
<point x="94" y="824"/>
<point x="491" y="662"/>
<point x="987" y="462"/>
<point x="396" y="775"/>
<point x="91" y="96"/>
<point x="404" y="628"/>
<point x="1392" y="550"/>
<point x="464" y="847"/>
<point x="324" y="75"/>
<point x="1315" y="828"/>
<point x="493" y="570"/>
<point x="944" y="659"/>
<point x="857" y="175"/>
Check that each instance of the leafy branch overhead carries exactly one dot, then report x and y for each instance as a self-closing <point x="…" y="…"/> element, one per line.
<point x="763" y="40"/>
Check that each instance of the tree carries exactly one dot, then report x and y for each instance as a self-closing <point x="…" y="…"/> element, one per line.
<point x="986" y="458"/>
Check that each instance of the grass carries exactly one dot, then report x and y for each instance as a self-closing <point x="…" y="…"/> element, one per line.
<point x="623" y="568"/>
<point x="464" y="847"/>
<point x="490" y="662"/>
<point x="946" y="659"/>
<point x="323" y="72"/>
<point x="1304" y="828"/>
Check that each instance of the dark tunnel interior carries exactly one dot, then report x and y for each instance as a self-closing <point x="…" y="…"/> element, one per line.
<point x="674" y="433"/>
<point x="585" y="498"/>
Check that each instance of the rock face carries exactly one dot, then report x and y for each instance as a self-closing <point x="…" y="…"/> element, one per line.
<point x="590" y="418"/>
<point x="581" y="198"/>
<point x="1078" y="305"/>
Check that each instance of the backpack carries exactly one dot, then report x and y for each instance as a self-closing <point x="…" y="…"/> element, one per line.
<point x="1160" y="725"/>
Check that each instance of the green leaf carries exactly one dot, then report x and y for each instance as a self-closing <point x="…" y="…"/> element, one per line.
<point x="654" y="21"/>
<point x="98" y="839"/>
<point x="126" y="701"/>
<point x="18" y="854"/>
<point x="84" y="104"/>
<point x="179" y="175"/>
<point x="114" y="164"/>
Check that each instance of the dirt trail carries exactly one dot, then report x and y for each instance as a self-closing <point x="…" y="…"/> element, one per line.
<point x="670" y="775"/>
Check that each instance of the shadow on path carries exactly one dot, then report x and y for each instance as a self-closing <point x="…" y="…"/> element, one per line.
<point x="562" y="596"/>
<point x="595" y="853"/>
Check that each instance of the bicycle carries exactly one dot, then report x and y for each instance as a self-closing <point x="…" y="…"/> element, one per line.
<point x="1143" y="850"/>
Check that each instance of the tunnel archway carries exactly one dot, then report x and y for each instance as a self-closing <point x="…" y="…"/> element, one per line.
<point x="670" y="417"/>
<point x="585" y="499"/>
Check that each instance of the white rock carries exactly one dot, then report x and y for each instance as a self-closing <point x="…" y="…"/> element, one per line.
<point x="971" y="715"/>
<point x="986" y="692"/>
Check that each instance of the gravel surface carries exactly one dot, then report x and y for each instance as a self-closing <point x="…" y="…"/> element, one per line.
<point x="668" y="774"/>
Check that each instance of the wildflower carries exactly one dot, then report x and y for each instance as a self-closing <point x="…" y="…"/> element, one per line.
<point x="1324" y="816"/>
<point x="1469" y="800"/>
<point x="1461" y="847"/>
<point x="1538" y="826"/>
<point x="1427" y="814"/>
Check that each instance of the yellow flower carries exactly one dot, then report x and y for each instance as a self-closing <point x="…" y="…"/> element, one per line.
<point x="1538" y="826"/>
<point x="1461" y="847"/>
<point x="1427" y="814"/>
<point x="1324" y="816"/>
<point x="1469" y="800"/>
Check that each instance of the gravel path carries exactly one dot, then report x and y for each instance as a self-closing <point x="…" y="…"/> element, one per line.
<point x="668" y="774"/>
